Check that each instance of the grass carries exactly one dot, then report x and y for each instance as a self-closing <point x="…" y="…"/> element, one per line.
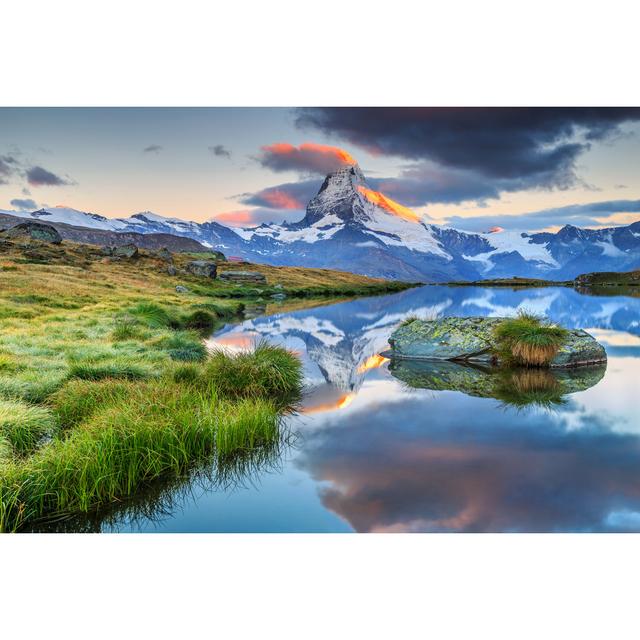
<point x="106" y="386"/>
<point x="528" y="340"/>
<point x="116" y="436"/>
<point x="112" y="369"/>
<point x="23" y="426"/>
<point x="267" y="371"/>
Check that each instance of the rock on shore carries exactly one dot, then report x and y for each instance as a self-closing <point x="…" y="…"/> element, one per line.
<point x="242" y="277"/>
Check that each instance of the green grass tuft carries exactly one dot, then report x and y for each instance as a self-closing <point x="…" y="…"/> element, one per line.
<point x="183" y="346"/>
<point x="153" y="315"/>
<point x="268" y="371"/>
<point x="126" y="328"/>
<point x="111" y="369"/>
<point x="408" y="320"/>
<point x="24" y="426"/>
<point x="200" y="320"/>
<point x="528" y="340"/>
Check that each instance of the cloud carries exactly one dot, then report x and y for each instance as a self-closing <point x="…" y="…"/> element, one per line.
<point x="152" y="148"/>
<point x="221" y="151"/>
<point x="492" y="473"/>
<point x="255" y="217"/>
<point x="287" y="196"/>
<point x="38" y="177"/>
<point x="580" y="215"/>
<point x="24" y="204"/>
<point x="308" y="159"/>
<point x="532" y="147"/>
<point x="8" y="167"/>
<point x="428" y="183"/>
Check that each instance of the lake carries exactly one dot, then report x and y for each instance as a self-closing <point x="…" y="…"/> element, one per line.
<point x="376" y="449"/>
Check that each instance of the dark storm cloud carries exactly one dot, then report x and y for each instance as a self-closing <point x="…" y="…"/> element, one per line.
<point x="38" y="176"/>
<point x="536" y="146"/>
<point x="152" y="148"/>
<point x="8" y="166"/>
<point x="429" y="184"/>
<point x="580" y="215"/>
<point x="220" y="151"/>
<point x="287" y="196"/>
<point x="24" y="204"/>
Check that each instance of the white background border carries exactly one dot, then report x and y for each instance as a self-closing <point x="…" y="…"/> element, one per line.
<point x="286" y="53"/>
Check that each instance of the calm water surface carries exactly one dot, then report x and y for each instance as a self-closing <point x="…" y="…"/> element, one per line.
<point x="368" y="452"/>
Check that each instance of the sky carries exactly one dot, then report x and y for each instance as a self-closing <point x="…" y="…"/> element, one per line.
<point x="473" y="169"/>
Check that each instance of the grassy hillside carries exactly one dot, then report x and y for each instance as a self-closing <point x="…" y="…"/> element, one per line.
<point x="105" y="382"/>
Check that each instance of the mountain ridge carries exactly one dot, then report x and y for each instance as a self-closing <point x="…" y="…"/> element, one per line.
<point x="349" y="226"/>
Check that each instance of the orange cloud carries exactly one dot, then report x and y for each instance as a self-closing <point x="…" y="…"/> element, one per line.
<point x="389" y="205"/>
<point x="279" y="199"/>
<point x="309" y="157"/>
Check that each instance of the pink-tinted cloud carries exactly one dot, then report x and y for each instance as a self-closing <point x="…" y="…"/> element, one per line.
<point x="308" y="158"/>
<point x="240" y="218"/>
<point x="255" y="217"/>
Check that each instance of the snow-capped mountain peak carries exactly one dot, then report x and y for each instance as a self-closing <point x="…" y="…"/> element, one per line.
<point x="346" y="208"/>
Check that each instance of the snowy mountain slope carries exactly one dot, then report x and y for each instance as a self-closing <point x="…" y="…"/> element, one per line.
<point x="67" y="215"/>
<point x="351" y="227"/>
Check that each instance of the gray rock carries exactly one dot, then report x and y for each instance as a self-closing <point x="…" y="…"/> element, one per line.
<point x="106" y="251"/>
<point x="171" y="270"/>
<point x="164" y="254"/>
<point x="279" y="296"/>
<point x="243" y="276"/>
<point x="278" y="286"/>
<point x="35" y="231"/>
<point x="126" y="251"/>
<point x="471" y="339"/>
<point x="181" y="289"/>
<point x="202" y="268"/>
<point x="579" y="348"/>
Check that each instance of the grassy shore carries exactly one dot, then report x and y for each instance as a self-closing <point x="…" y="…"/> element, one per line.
<point x="515" y="283"/>
<point x="105" y="383"/>
<point x="597" y="283"/>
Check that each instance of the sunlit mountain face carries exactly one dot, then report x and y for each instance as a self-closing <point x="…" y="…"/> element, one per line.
<point x="389" y="205"/>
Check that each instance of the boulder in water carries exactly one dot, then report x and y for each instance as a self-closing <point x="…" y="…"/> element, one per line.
<point x="472" y="340"/>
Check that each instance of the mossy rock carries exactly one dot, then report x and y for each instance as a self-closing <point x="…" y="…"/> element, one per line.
<point x="35" y="231"/>
<point x="472" y="339"/>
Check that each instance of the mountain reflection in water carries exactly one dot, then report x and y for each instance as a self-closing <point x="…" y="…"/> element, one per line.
<point x="383" y="446"/>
